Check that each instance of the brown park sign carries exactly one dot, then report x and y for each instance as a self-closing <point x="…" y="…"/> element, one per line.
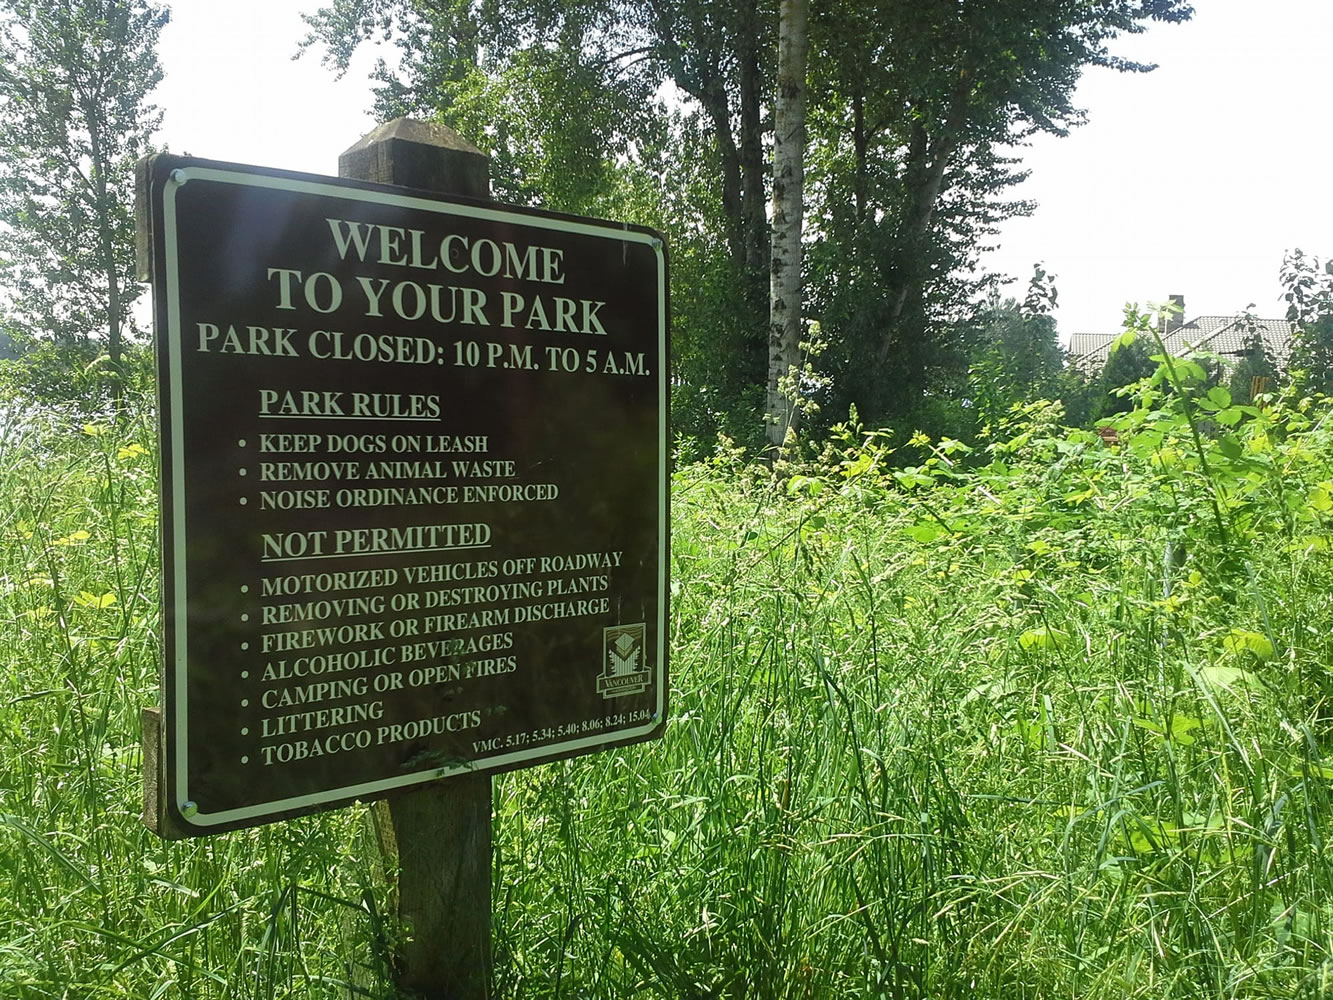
<point x="414" y="487"/>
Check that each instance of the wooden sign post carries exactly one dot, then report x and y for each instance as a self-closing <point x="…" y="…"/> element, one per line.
<point x="414" y="502"/>
<point x="440" y="835"/>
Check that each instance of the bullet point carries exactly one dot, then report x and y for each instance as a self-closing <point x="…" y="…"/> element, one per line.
<point x="245" y="645"/>
<point x="245" y="731"/>
<point x="245" y="588"/>
<point x="240" y="443"/>
<point x="244" y="501"/>
<point x="245" y="703"/>
<point x="243" y="472"/>
<point x="245" y="760"/>
<point x="245" y="674"/>
<point x="245" y="618"/>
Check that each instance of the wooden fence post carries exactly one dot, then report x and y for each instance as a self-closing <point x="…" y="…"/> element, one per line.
<point x="439" y="835"/>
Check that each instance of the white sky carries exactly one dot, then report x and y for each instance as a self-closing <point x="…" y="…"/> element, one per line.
<point x="1193" y="179"/>
<point x="233" y="92"/>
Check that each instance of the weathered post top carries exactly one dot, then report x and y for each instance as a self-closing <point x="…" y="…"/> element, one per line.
<point x="418" y="154"/>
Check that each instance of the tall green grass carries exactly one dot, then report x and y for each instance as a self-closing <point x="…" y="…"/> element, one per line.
<point x="1047" y="721"/>
<point x="91" y="904"/>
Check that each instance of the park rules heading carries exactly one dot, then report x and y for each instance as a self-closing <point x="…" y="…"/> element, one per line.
<point x="414" y="487"/>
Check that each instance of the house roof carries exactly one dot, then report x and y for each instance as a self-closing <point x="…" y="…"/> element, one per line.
<point x="1225" y="336"/>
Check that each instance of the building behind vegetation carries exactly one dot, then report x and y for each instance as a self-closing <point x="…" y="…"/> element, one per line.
<point x="1232" y="338"/>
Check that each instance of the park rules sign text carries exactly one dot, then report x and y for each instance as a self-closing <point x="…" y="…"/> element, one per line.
<point x="414" y="487"/>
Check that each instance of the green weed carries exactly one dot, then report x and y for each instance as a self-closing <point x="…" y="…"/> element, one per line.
<point x="1048" y="720"/>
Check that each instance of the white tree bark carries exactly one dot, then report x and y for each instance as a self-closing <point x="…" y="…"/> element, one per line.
<point x="785" y="288"/>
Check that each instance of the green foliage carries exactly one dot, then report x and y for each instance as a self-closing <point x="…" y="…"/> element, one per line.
<point x="1254" y="364"/>
<point x="913" y="107"/>
<point x="94" y="905"/>
<point x="1048" y="718"/>
<point x="1314" y="354"/>
<point x="539" y="87"/>
<point x="1135" y="362"/>
<point x="77" y="376"/>
<point x="1017" y="359"/>
<point x="564" y="97"/>
<point x="1309" y="295"/>
<point x="912" y="110"/>
<point x="74" y="117"/>
<point x="1128" y="364"/>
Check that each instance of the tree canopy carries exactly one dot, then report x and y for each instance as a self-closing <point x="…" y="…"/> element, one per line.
<point x="667" y="107"/>
<point x="74" y="116"/>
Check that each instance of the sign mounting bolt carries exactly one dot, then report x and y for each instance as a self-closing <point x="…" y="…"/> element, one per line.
<point x="179" y="176"/>
<point x="189" y="809"/>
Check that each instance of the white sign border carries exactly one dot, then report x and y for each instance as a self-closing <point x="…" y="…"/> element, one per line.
<point x="194" y="813"/>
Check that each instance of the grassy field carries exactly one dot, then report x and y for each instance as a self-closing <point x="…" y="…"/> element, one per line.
<point x="1051" y="720"/>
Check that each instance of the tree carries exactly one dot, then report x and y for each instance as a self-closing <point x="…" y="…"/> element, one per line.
<point x="916" y="106"/>
<point x="1313" y="353"/>
<point x="74" y="116"/>
<point x="786" y="288"/>
<point x="1309" y="294"/>
<point x="717" y="56"/>
<point x="1017" y="359"/>
<point x="1254" y="370"/>
<point x="912" y="111"/>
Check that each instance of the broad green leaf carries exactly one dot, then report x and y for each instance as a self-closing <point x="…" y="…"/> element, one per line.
<point x="1043" y="638"/>
<point x="1240" y="640"/>
<point x="1259" y="444"/>
<point x="1032" y="732"/>
<point x="862" y="465"/>
<point x="1167" y="458"/>
<point x="1215" y="675"/>
<point x="990" y="691"/>
<point x="807" y="485"/>
<point x="1190" y="370"/>
<point x="1181" y="727"/>
<point x="912" y="477"/>
<point x="1311" y="543"/>
<point x="1124" y="340"/>
<point x="90" y="600"/>
<point x="1147" y="835"/>
<point x="1146" y="441"/>
<point x="924" y="532"/>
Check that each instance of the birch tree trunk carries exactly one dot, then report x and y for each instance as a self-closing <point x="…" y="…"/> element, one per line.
<point x="785" y="288"/>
